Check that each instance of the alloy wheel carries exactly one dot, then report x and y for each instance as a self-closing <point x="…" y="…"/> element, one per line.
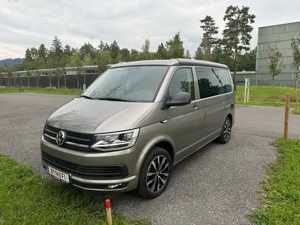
<point x="157" y="174"/>
<point x="227" y="129"/>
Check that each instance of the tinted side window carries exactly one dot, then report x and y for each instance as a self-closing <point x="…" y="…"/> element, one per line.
<point x="224" y="77"/>
<point x="208" y="82"/>
<point x="182" y="81"/>
<point x="212" y="82"/>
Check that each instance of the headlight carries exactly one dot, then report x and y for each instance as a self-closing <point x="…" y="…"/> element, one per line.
<point x="115" y="141"/>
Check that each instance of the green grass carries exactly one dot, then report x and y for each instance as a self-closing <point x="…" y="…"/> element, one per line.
<point x="27" y="198"/>
<point x="298" y="111"/>
<point x="281" y="194"/>
<point x="47" y="90"/>
<point x="262" y="95"/>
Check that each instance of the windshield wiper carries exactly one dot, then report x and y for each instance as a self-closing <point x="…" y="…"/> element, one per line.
<point x="85" y="96"/>
<point x="114" y="99"/>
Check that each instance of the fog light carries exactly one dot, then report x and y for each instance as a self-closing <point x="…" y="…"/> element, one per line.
<point x="114" y="185"/>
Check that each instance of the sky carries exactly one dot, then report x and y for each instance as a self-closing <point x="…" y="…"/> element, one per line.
<point x="30" y="23"/>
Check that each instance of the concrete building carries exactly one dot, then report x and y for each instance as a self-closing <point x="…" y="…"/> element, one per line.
<point x="279" y="35"/>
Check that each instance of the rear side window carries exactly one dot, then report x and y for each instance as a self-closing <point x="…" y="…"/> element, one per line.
<point x="182" y="81"/>
<point x="224" y="77"/>
<point x="212" y="82"/>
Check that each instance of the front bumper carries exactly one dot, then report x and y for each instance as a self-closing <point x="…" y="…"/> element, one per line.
<point x="129" y="157"/>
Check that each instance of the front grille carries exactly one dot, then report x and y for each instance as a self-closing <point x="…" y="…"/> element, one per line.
<point x="111" y="171"/>
<point x="75" y="141"/>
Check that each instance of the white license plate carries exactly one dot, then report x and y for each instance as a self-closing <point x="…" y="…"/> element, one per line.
<point x="58" y="174"/>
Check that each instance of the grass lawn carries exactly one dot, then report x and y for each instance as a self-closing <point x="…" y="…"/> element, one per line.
<point x="298" y="111"/>
<point x="281" y="194"/>
<point x="27" y="198"/>
<point x="47" y="90"/>
<point x="262" y="95"/>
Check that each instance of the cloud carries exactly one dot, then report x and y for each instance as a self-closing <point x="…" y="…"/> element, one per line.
<point x="30" y="23"/>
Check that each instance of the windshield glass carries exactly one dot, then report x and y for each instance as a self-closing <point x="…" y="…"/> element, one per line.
<point x="136" y="83"/>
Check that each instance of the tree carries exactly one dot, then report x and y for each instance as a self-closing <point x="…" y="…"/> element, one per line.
<point x="57" y="51"/>
<point x="210" y="29"/>
<point x="134" y="55"/>
<point x="42" y="52"/>
<point x="9" y="75"/>
<point x="146" y="54"/>
<point x="175" y="47"/>
<point x="114" y="50"/>
<point x="28" y="75"/>
<point x="87" y="60"/>
<point x="237" y="32"/>
<point x="125" y="54"/>
<point x="103" y="60"/>
<point x="76" y="63"/>
<point x="87" y="49"/>
<point x="199" y="53"/>
<point x="275" y="62"/>
<point x="28" y="57"/>
<point x="101" y="46"/>
<point x="162" y="51"/>
<point x="187" y="54"/>
<point x="58" y="75"/>
<point x="50" y="65"/>
<point x="295" y="44"/>
<point x="66" y="59"/>
<point x="67" y="50"/>
<point x="39" y="64"/>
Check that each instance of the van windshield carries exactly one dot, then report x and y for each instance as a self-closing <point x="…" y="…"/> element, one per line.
<point x="134" y="84"/>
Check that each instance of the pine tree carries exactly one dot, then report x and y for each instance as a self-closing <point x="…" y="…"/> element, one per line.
<point x="210" y="29"/>
<point x="114" y="50"/>
<point x="175" y="47"/>
<point x="42" y="52"/>
<point x="237" y="32"/>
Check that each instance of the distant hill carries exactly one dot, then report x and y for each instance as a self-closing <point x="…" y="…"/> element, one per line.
<point x="11" y="62"/>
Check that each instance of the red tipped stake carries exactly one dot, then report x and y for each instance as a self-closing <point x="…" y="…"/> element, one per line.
<point x="108" y="212"/>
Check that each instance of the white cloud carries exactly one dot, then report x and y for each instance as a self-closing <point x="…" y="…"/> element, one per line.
<point x="30" y="23"/>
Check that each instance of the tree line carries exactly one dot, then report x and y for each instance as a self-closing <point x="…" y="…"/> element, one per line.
<point x="232" y="49"/>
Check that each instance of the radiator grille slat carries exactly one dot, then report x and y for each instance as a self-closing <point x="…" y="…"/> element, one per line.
<point x="112" y="171"/>
<point x="73" y="137"/>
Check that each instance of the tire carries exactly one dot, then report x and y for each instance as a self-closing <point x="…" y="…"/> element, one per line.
<point x="155" y="173"/>
<point x="226" y="131"/>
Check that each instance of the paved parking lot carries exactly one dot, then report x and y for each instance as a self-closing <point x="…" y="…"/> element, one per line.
<point x="216" y="185"/>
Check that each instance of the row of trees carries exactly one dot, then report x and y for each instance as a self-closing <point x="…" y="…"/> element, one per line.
<point x="58" y="57"/>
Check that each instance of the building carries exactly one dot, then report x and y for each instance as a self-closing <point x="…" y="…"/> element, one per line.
<point x="279" y="35"/>
<point x="20" y="77"/>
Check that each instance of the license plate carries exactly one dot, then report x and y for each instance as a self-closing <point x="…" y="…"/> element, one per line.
<point x="58" y="174"/>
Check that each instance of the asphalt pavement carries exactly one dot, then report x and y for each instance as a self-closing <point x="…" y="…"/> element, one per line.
<point x="216" y="185"/>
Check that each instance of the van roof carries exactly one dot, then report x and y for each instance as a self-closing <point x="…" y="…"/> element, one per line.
<point x="171" y="62"/>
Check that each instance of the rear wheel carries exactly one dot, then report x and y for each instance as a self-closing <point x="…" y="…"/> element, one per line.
<point x="155" y="173"/>
<point x="226" y="131"/>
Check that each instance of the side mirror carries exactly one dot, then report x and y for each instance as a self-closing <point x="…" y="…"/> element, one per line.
<point x="180" y="98"/>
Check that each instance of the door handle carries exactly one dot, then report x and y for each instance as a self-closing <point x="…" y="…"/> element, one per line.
<point x="195" y="106"/>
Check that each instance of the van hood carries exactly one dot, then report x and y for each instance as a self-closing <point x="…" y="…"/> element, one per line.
<point x="99" y="116"/>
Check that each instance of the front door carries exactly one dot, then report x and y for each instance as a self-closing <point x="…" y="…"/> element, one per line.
<point x="183" y="121"/>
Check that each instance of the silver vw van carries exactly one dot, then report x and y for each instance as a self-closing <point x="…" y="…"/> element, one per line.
<point x="136" y="121"/>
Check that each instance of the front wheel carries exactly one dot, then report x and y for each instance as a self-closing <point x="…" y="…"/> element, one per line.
<point x="226" y="131"/>
<point x="155" y="173"/>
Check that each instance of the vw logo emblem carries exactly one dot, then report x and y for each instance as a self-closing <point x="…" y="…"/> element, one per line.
<point x="60" y="137"/>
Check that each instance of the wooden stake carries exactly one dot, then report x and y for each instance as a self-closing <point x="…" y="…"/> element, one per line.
<point x="297" y="99"/>
<point x="286" y="119"/>
<point x="108" y="212"/>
